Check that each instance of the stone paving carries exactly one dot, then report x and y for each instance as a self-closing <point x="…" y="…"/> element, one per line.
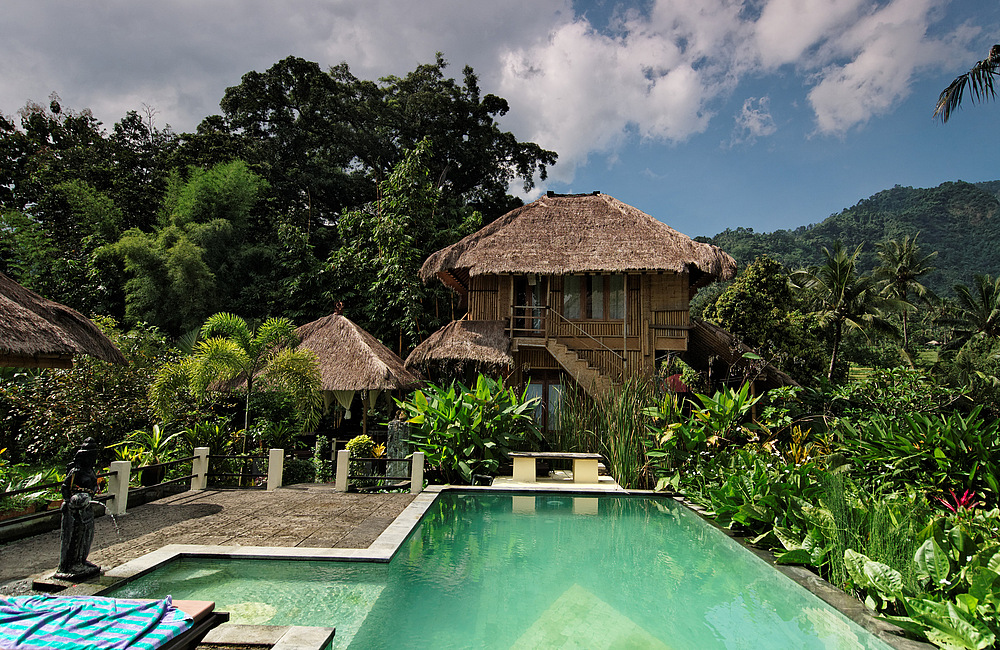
<point x="305" y="516"/>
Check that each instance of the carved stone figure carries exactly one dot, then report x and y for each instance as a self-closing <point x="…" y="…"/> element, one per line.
<point x="77" y="532"/>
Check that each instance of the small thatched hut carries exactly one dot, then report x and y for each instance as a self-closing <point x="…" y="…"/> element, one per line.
<point x="352" y="360"/>
<point x="38" y="333"/>
<point x="476" y="343"/>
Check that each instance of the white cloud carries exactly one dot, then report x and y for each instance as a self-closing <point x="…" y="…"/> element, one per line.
<point x="884" y="50"/>
<point x="663" y="74"/>
<point x="788" y="29"/>
<point x="660" y="75"/>
<point x="753" y="121"/>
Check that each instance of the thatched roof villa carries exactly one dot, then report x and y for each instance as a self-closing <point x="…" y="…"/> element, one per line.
<point x="580" y="285"/>
<point x="352" y="360"/>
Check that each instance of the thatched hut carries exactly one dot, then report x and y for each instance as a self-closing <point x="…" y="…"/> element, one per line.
<point x="464" y="343"/>
<point x="585" y="286"/>
<point x="352" y="360"/>
<point x="39" y="333"/>
<point x="559" y="235"/>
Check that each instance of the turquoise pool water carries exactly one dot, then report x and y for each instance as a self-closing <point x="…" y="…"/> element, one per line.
<point x="536" y="571"/>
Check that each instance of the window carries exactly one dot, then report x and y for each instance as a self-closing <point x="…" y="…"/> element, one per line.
<point x="572" y="298"/>
<point x="594" y="297"/>
<point x="616" y="297"/>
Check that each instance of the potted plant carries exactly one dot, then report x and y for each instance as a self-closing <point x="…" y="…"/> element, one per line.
<point x="154" y="447"/>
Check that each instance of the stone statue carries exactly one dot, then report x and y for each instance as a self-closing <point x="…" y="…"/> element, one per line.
<point x="77" y="533"/>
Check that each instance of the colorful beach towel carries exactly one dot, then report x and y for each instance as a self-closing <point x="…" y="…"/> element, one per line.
<point x="74" y="622"/>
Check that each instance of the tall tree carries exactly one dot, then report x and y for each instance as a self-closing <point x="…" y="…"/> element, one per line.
<point x="324" y="140"/>
<point x="386" y="242"/>
<point x="842" y="298"/>
<point x="760" y="309"/>
<point x="67" y="187"/>
<point x="899" y="272"/>
<point x="213" y="251"/>
<point x="978" y="80"/>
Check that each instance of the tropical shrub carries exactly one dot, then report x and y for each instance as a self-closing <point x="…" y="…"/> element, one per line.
<point x="465" y="431"/>
<point x="21" y="477"/>
<point x="957" y="604"/>
<point x="230" y="354"/>
<point x="45" y="414"/>
<point x="931" y="452"/>
<point x="155" y="446"/>
<point x="676" y="441"/>
<point x="298" y="470"/>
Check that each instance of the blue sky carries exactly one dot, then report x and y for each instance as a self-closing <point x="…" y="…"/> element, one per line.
<point x="708" y="114"/>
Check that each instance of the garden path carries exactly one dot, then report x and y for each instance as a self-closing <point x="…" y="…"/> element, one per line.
<point x="313" y="516"/>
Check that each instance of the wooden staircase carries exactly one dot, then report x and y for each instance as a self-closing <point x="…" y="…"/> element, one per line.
<point x="590" y="379"/>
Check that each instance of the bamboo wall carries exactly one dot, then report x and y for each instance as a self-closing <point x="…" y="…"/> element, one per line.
<point x="657" y="319"/>
<point x="669" y="315"/>
<point x="484" y="298"/>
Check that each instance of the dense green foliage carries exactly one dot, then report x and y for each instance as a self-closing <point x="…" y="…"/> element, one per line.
<point x="311" y="187"/>
<point x="960" y="221"/>
<point x="760" y="308"/>
<point x="468" y="431"/>
<point x="45" y="414"/>
<point x="229" y="354"/>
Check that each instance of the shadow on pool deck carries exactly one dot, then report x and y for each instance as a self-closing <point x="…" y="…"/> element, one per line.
<point x="305" y="515"/>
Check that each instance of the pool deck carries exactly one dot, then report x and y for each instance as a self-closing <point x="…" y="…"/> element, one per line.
<point x="313" y="516"/>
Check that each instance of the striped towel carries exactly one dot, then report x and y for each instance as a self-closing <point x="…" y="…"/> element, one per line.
<point x="74" y="622"/>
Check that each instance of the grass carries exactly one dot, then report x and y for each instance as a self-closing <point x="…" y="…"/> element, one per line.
<point x="882" y="525"/>
<point x="614" y="427"/>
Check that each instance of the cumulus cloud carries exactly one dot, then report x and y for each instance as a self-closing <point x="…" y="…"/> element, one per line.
<point x="753" y="121"/>
<point x="883" y="51"/>
<point x="663" y="73"/>
<point x="659" y="72"/>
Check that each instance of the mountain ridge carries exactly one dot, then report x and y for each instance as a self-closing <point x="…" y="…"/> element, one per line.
<point x="959" y="220"/>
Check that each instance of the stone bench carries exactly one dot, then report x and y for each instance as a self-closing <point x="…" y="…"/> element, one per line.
<point x="584" y="465"/>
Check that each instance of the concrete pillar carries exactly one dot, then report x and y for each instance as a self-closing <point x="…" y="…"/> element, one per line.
<point x="417" y="473"/>
<point x="118" y="487"/>
<point x="275" y="468"/>
<point x="343" y="462"/>
<point x="199" y="467"/>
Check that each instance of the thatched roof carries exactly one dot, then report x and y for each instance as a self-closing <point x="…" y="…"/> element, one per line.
<point x="351" y="358"/>
<point x="39" y="333"/>
<point x="580" y="233"/>
<point x="711" y="347"/>
<point x="477" y="341"/>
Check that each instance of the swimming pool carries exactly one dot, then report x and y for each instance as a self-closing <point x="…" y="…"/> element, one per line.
<point x="530" y="571"/>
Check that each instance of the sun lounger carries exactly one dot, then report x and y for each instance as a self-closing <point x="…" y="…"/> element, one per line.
<point x="72" y="622"/>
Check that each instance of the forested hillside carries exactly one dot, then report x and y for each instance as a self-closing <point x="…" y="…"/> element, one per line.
<point x="959" y="220"/>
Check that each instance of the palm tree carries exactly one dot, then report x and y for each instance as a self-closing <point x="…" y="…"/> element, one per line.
<point x="902" y="266"/>
<point x="231" y="353"/>
<point x="842" y="298"/>
<point x="978" y="308"/>
<point x="979" y="80"/>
